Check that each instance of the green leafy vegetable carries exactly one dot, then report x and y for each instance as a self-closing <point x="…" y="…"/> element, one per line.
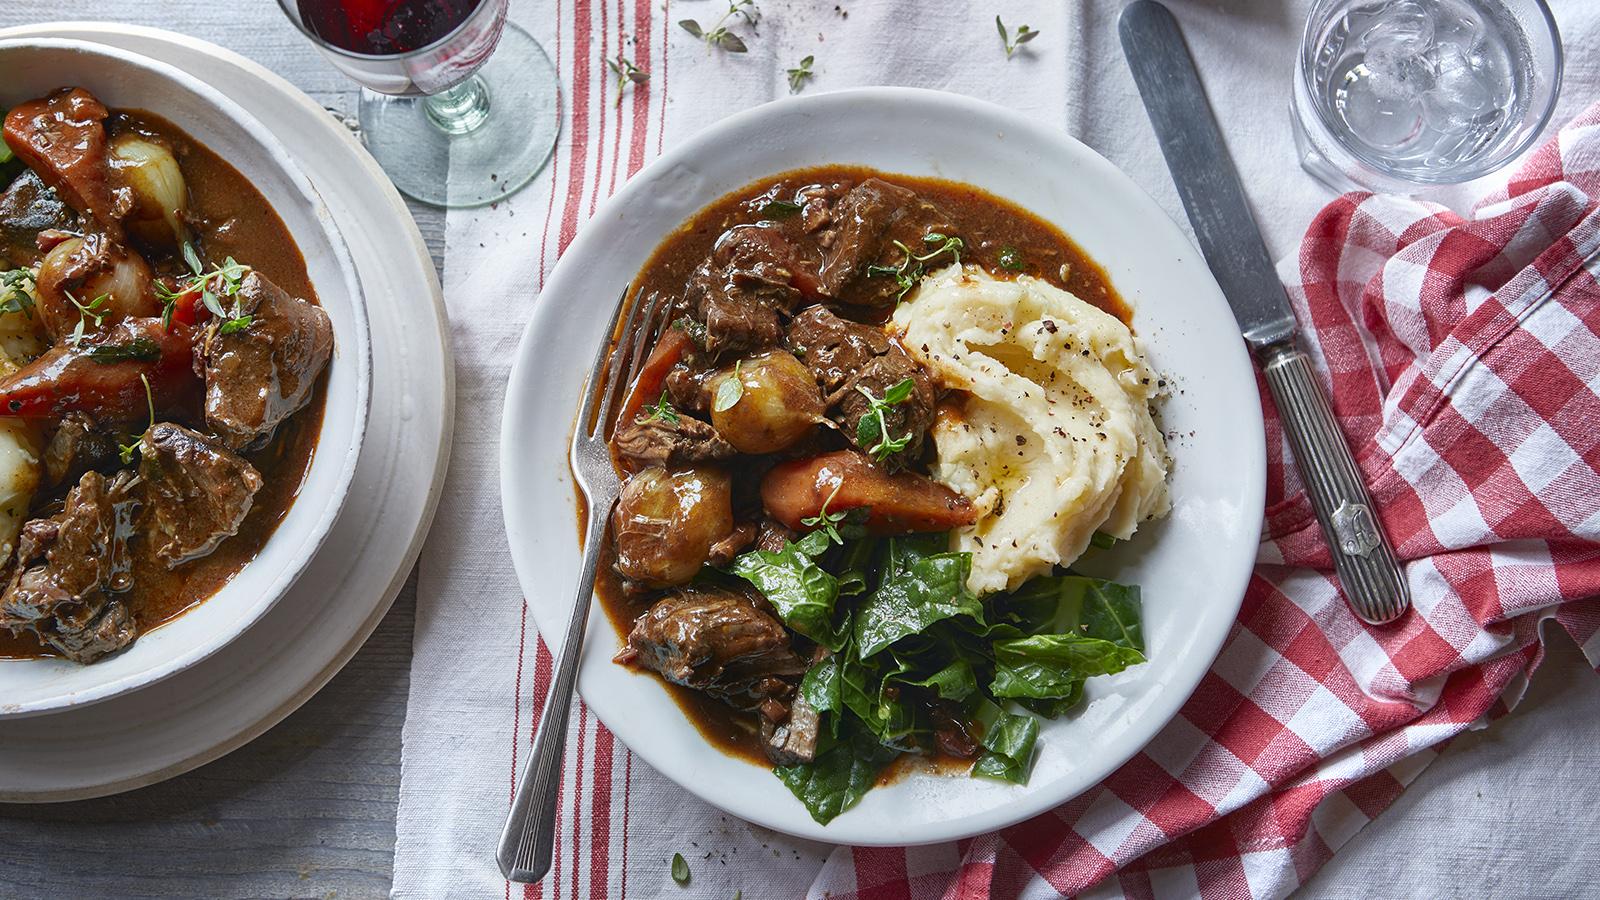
<point x="799" y="590"/>
<point x="1009" y="740"/>
<point x="680" y="869"/>
<point x="956" y="681"/>
<point x="844" y="770"/>
<point x="922" y="584"/>
<point x="1052" y="666"/>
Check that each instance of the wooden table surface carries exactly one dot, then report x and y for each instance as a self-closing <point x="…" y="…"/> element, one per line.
<point x="308" y="810"/>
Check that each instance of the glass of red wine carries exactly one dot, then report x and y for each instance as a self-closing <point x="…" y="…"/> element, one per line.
<point x="461" y="108"/>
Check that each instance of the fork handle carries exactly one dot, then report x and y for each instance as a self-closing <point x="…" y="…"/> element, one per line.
<point x="1362" y="555"/>
<point x="528" y="842"/>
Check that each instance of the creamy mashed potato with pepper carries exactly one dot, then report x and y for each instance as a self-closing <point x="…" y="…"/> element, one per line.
<point x="1053" y="439"/>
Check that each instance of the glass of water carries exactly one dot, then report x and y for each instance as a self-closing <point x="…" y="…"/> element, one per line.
<point x="1399" y="95"/>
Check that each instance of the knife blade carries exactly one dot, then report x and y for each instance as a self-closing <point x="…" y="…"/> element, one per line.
<point x="1208" y="184"/>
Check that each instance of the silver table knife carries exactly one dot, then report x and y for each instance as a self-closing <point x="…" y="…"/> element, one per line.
<point x="1231" y="242"/>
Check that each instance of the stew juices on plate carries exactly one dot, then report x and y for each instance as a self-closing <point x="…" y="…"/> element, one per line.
<point x="887" y="415"/>
<point x="162" y="369"/>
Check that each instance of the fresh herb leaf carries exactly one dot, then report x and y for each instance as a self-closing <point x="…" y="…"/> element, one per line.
<point x="1052" y="666"/>
<point x="1024" y="34"/>
<point x="680" y="869"/>
<point x="627" y="73"/>
<point x="844" y="770"/>
<point x="1009" y="739"/>
<point x="695" y="330"/>
<point x="1011" y="259"/>
<point x="663" y="411"/>
<point x="192" y="258"/>
<point x="779" y="209"/>
<point x="827" y="522"/>
<point x="718" y="34"/>
<point x="126" y="451"/>
<point x="800" y="74"/>
<point x="913" y="267"/>
<point x="729" y="390"/>
<point x="94" y="309"/>
<point x="233" y="325"/>
<point x="802" y="594"/>
<point x="16" y="291"/>
<point x="143" y="349"/>
<point x="872" y="431"/>
<point x="922" y="583"/>
<point x="1102" y="541"/>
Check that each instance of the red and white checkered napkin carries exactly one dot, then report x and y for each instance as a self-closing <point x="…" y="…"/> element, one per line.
<point x="1464" y="363"/>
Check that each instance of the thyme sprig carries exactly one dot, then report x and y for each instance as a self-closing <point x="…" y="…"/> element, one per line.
<point x="913" y="267"/>
<point x="800" y="74"/>
<point x="1012" y="44"/>
<point x="627" y="73"/>
<point x="126" y="451"/>
<point x="222" y="281"/>
<point x="94" y="309"/>
<point x="662" y="410"/>
<point x="718" y="35"/>
<point x="14" y="292"/>
<point x="872" y="432"/>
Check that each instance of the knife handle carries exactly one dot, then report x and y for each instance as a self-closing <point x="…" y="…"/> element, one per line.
<point x="1362" y="555"/>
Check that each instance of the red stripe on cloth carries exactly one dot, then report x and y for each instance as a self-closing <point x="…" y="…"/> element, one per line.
<point x="600" y="817"/>
<point x="582" y="69"/>
<point x="666" y="16"/>
<point x="881" y="873"/>
<point x="577" y="768"/>
<point x="643" y="30"/>
<point x="627" y="791"/>
<point x="616" y="141"/>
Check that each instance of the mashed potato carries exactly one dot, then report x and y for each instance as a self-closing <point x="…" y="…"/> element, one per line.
<point x="1055" y="439"/>
<point x="21" y="339"/>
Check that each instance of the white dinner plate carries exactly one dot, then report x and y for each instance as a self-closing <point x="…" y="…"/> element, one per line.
<point x="1192" y="566"/>
<point x="224" y="701"/>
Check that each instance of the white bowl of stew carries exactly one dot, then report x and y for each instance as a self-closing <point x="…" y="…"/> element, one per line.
<point x="248" y="200"/>
<point x="1192" y="566"/>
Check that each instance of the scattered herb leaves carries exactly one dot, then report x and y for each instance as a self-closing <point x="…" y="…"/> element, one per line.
<point x="718" y="35"/>
<point x="800" y="74"/>
<point x="627" y="73"/>
<point x="126" y="451"/>
<point x="680" y="869"/>
<point x="1011" y="259"/>
<point x="1012" y="44"/>
<point x="913" y="267"/>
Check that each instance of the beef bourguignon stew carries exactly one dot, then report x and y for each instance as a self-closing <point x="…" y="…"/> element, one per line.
<point x="162" y="369"/>
<point x="811" y="545"/>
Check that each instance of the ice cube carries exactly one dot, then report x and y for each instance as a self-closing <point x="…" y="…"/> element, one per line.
<point x="1455" y="23"/>
<point x="1402" y="24"/>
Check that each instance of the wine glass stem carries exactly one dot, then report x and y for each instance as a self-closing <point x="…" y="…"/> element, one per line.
<point x="461" y="108"/>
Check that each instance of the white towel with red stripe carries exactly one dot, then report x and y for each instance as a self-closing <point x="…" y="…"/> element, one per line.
<point x="1463" y="360"/>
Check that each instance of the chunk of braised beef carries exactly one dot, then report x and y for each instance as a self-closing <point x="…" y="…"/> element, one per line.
<point x="866" y="223"/>
<point x="741" y="293"/>
<point x="852" y="360"/>
<point x="260" y="374"/>
<point x="738" y="540"/>
<point x="62" y="137"/>
<point x="675" y="440"/>
<point x="687" y="386"/>
<point x="69" y="569"/>
<point x="717" y="640"/>
<point x="77" y="445"/>
<point x="197" y="493"/>
<point x="29" y="208"/>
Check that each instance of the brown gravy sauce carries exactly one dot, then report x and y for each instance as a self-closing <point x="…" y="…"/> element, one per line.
<point x="234" y="220"/>
<point x="995" y="223"/>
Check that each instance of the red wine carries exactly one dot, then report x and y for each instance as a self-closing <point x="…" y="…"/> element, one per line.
<point x="384" y="27"/>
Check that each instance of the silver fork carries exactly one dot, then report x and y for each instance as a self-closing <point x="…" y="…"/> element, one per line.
<point x="529" y="837"/>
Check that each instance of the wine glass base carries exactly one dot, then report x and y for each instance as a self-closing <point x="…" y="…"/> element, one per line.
<point x="474" y="157"/>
